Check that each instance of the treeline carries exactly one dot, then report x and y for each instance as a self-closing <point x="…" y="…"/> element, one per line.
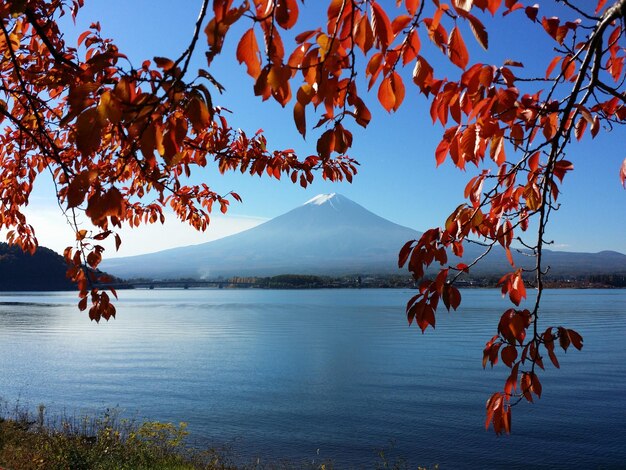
<point x="309" y="281"/>
<point x="44" y="270"/>
<point x="613" y="280"/>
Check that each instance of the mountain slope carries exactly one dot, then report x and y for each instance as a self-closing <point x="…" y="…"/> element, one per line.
<point x="330" y="234"/>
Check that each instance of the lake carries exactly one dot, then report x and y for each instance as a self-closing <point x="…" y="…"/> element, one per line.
<point x="309" y="375"/>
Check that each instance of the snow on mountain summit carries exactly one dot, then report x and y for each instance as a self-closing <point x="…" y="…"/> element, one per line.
<point x="321" y="199"/>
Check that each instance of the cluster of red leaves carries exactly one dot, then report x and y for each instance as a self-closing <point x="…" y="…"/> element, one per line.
<point x="491" y="117"/>
<point x="113" y="137"/>
<point x="509" y="344"/>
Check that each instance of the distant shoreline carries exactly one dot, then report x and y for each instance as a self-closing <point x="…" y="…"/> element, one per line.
<point x="298" y="281"/>
<point x="304" y="282"/>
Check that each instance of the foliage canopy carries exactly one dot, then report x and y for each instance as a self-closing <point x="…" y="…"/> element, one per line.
<point x="119" y="141"/>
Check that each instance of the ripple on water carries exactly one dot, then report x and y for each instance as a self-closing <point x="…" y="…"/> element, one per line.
<point x="285" y="373"/>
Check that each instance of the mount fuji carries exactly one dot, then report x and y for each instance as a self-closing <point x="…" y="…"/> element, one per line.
<point x="331" y="235"/>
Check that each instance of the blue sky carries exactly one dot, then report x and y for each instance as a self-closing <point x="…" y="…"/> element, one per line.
<point x="397" y="178"/>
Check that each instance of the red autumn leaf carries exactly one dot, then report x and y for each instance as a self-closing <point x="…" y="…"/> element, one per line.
<point x="423" y="75"/>
<point x="224" y="205"/>
<point x="526" y="385"/>
<point x="278" y="81"/>
<point x="400" y="23"/>
<point x="462" y="267"/>
<point x="381" y="26"/>
<point x="391" y="92"/>
<point x="457" y="52"/>
<point x="411" y="6"/>
<point x="374" y="67"/>
<point x="533" y="161"/>
<point x="109" y="204"/>
<point x="364" y="35"/>
<point x="576" y="339"/>
<point x="88" y="131"/>
<point x="509" y="355"/>
<point x="299" y="117"/>
<point x="404" y="253"/>
<point x="568" y="67"/>
<point x="479" y="31"/>
<point x="531" y="12"/>
<point x="561" y="167"/>
<point x="535" y="385"/>
<point x="198" y="114"/>
<point x="451" y="297"/>
<point x="580" y="127"/>
<point x="248" y="53"/>
<point x="564" y="339"/>
<point x="493" y="6"/>
<point x="286" y="13"/>
<point x="164" y="63"/>
<point x="595" y="127"/>
<point x="463" y="5"/>
<point x="551" y="25"/>
<point x="77" y="189"/>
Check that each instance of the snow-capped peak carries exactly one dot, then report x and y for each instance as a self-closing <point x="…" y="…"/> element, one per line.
<point x="320" y="199"/>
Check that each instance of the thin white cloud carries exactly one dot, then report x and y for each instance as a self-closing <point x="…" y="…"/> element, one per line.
<point x="53" y="232"/>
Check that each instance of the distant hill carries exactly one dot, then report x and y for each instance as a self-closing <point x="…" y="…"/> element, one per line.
<point x="330" y="235"/>
<point x="19" y="271"/>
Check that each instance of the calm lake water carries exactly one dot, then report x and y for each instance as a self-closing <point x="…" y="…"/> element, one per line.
<point x="324" y="374"/>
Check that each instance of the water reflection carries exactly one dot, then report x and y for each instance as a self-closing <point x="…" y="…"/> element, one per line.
<point x="283" y="373"/>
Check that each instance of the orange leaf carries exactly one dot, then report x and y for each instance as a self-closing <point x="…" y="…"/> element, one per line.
<point x="381" y="26"/>
<point x="479" y="31"/>
<point x="457" y="52"/>
<point x="423" y="75"/>
<point x="391" y="92"/>
<point x="248" y="52"/>
<point x="110" y="204"/>
<point x="553" y="63"/>
<point x="299" y="117"/>
<point x="278" y="81"/>
<point x="399" y="23"/>
<point x="411" y="6"/>
<point x="364" y="36"/>
<point x="286" y="13"/>
<point x="198" y="114"/>
<point x="79" y="186"/>
<point x="493" y="6"/>
<point x="164" y="63"/>
<point x="568" y="67"/>
<point x="88" y="131"/>
<point x="109" y="108"/>
<point x="409" y="53"/>
<point x="561" y="167"/>
<point x="581" y="126"/>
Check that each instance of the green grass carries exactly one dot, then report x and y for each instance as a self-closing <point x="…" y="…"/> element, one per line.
<point x="27" y="442"/>
<point x="32" y="442"/>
